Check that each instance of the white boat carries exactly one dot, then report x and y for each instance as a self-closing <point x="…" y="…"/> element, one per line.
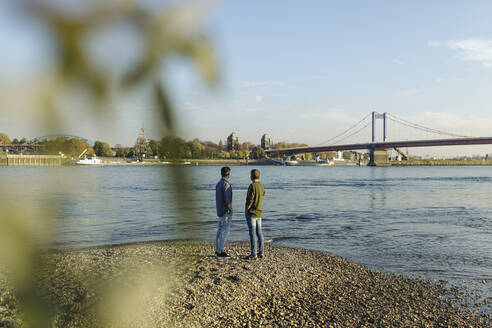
<point x="89" y="161"/>
<point x="325" y="164"/>
<point x="310" y="163"/>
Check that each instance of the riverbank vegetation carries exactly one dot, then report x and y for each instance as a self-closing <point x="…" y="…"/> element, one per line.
<point x="167" y="148"/>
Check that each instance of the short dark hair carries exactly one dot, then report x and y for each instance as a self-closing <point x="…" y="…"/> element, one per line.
<point x="225" y="171"/>
<point x="255" y="174"/>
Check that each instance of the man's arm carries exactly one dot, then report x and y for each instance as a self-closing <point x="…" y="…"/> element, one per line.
<point x="249" y="199"/>
<point x="228" y="197"/>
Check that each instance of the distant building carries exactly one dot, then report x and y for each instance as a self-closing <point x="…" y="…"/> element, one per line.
<point x="266" y="143"/>
<point x="232" y="142"/>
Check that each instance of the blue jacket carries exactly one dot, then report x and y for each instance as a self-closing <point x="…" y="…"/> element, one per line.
<point x="223" y="196"/>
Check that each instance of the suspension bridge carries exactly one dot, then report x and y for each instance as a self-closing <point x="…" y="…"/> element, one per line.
<point x="378" y="151"/>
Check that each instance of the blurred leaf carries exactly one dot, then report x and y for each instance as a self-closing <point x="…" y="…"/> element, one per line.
<point x="164" y="106"/>
<point x="139" y="72"/>
<point x="20" y="254"/>
<point x="164" y="33"/>
<point x="204" y="58"/>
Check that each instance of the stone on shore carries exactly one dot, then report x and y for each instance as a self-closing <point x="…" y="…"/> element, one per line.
<point x="182" y="284"/>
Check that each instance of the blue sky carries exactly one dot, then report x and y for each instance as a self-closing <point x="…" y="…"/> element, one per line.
<point x="305" y="71"/>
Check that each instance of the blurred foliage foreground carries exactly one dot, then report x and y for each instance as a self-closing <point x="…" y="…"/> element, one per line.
<point x="25" y="235"/>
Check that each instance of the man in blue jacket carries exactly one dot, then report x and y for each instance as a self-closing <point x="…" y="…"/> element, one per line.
<point x="223" y="201"/>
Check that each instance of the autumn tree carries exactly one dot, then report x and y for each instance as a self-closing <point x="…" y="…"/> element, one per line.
<point x="70" y="147"/>
<point x="4" y="139"/>
<point x="283" y="145"/>
<point x="247" y="146"/>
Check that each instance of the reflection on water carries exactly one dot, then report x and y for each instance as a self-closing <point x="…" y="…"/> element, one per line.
<point x="378" y="193"/>
<point x="434" y="222"/>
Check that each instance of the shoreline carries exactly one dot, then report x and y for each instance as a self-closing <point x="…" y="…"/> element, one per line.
<point x="118" y="162"/>
<point x="441" y="163"/>
<point x="181" y="284"/>
<point x="242" y="162"/>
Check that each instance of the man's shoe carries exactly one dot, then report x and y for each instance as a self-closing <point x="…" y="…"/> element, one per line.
<point x="260" y="256"/>
<point x="223" y="255"/>
<point x="251" y="257"/>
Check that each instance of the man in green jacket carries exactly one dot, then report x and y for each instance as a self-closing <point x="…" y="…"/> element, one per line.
<point x="253" y="213"/>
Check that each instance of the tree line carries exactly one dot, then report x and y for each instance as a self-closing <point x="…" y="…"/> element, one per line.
<point x="166" y="148"/>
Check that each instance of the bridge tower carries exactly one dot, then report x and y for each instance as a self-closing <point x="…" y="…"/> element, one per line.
<point x="376" y="116"/>
<point x="378" y="156"/>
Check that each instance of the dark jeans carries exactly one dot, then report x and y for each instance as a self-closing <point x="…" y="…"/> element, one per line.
<point x="254" y="226"/>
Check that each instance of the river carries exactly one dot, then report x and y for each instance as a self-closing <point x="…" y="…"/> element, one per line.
<point x="429" y="222"/>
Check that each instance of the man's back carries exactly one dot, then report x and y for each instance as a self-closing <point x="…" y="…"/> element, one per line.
<point x="223" y="196"/>
<point x="255" y="197"/>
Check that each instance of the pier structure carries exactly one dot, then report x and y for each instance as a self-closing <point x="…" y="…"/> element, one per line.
<point x="30" y="160"/>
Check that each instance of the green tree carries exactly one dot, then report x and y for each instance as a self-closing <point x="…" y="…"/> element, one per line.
<point x="197" y="149"/>
<point x="173" y="148"/>
<point x="4" y="139"/>
<point x="120" y="150"/>
<point x="224" y="155"/>
<point x="23" y="141"/>
<point x="98" y="148"/>
<point x="243" y="154"/>
<point x="153" y="147"/>
<point x="102" y="149"/>
<point x="130" y="152"/>
<point x="257" y="153"/>
<point x="211" y="149"/>
<point x="15" y="141"/>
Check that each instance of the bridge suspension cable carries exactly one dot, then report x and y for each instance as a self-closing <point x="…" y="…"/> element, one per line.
<point x="354" y="133"/>
<point x="421" y="127"/>
<point x="326" y="142"/>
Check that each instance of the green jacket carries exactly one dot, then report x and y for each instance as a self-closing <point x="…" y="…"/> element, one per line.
<point x="254" y="198"/>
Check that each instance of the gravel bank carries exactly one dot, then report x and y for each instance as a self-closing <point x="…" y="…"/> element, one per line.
<point x="179" y="284"/>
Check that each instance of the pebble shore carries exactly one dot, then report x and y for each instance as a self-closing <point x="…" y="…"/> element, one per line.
<point x="182" y="284"/>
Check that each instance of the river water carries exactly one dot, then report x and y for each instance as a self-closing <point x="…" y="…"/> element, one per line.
<point x="429" y="222"/>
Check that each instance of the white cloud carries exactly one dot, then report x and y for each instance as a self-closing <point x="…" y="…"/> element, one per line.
<point x="447" y="79"/>
<point x="397" y="61"/>
<point x="409" y="92"/>
<point x="254" y="84"/>
<point x="259" y="99"/>
<point x="474" y="49"/>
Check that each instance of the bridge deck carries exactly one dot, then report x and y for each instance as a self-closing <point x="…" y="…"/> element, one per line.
<point x="385" y="145"/>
